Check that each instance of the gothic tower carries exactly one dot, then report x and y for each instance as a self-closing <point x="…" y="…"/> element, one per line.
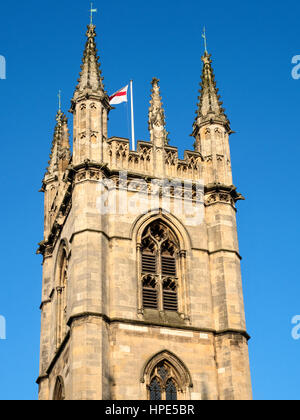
<point x="142" y="293"/>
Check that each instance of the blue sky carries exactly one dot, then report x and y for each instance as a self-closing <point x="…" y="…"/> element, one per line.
<point x="252" y="44"/>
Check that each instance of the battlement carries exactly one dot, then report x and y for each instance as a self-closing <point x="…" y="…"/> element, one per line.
<point x="120" y="157"/>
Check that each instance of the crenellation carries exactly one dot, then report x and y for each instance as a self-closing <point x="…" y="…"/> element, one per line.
<point x="120" y="158"/>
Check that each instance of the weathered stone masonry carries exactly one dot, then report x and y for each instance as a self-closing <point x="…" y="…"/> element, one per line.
<point x="140" y="306"/>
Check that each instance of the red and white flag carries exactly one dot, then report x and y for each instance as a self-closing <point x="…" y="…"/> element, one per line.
<point x="119" y="97"/>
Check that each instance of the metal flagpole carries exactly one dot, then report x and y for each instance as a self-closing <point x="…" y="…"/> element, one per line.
<point x="127" y="116"/>
<point x="132" y="116"/>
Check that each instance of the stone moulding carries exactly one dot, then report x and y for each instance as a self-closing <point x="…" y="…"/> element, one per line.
<point x="184" y="375"/>
<point x="89" y="170"/>
<point x="111" y="321"/>
<point x="220" y="193"/>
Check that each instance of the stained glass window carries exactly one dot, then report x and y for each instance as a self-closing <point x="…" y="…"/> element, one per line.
<point x="163" y="385"/>
<point x="171" y="391"/>
<point x="155" y="390"/>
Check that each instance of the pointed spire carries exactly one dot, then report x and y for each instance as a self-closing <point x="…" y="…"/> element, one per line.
<point x="60" y="151"/>
<point x="156" y="111"/>
<point x="90" y="81"/>
<point x="209" y="107"/>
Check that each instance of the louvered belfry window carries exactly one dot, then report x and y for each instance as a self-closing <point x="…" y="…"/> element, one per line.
<point x="159" y="267"/>
<point x="150" y="296"/>
<point x="148" y="263"/>
<point x="168" y="266"/>
<point x="170" y="295"/>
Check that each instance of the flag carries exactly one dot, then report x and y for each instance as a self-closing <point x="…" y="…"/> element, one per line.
<point x="119" y="97"/>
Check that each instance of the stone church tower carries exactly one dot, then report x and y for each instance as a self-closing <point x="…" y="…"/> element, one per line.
<point x="141" y="303"/>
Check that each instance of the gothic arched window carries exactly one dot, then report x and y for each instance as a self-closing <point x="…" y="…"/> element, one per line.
<point x="61" y="289"/>
<point x="166" y="378"/>
<point x="159" y="268"/>
<point x="163" y="385"/>
<point x="59" y="390"/>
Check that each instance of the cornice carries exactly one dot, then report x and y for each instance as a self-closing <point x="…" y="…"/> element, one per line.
<point x="221" y="193"/>
<point x="90" y="96"/>
<point x="111" y="321"/>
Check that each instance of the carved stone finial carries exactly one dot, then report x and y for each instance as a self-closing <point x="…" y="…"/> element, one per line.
<point x="91" y="31"/>
<point x="59" y="118"/>
<point x="157" y="121"/>
<point x="155" y="81"/>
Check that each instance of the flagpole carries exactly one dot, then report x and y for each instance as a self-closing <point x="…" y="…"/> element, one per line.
<point x="132" y="117"/>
